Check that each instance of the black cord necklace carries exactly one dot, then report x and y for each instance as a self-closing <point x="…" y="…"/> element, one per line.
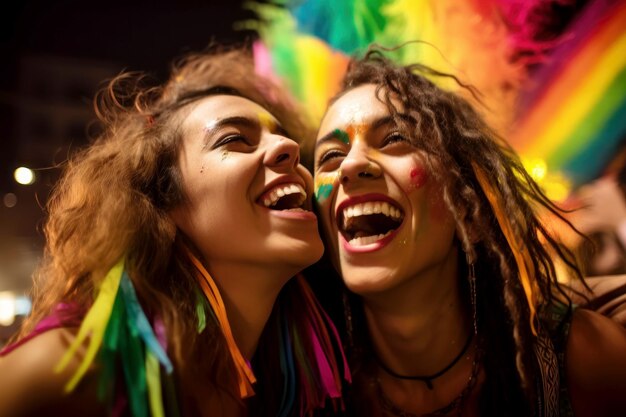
<point x="427" y="379"/>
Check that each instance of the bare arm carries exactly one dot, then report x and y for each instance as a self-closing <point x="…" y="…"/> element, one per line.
<point x="596" y="365"/>
<point x="29" y="386"/>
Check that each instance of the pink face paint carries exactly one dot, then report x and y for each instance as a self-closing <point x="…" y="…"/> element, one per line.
<point x="417" y="178"/>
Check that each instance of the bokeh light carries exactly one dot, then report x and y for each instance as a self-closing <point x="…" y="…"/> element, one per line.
<point x="24" y="176"/>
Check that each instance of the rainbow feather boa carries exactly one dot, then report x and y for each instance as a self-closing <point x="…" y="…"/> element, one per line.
<point x="117" y="329"/>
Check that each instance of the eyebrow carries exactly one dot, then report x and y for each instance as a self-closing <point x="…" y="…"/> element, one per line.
<point x="241" y="121"/>
<point x="336" y="133"/>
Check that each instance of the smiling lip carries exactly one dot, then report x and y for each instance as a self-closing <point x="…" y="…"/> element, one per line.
<point x="285" y="179"/>
<point x="372" y="247"/>
<point x="293" y="215"/>
<point x="304" y="213"/>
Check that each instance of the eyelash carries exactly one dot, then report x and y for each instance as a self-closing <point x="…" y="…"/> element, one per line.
<point x="394" y="138"/>
<point x="230" y="139"/>
<point x="388" y="141"/>
<point x="331" y="154"/>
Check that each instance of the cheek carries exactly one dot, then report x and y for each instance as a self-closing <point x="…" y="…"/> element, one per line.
<point x="416" y="178"/>
<point x="439" y="211"/>
<point x="325" y="184"/>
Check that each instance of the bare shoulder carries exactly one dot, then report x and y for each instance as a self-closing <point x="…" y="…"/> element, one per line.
<point x="596" y="365"/>
<point x="29" y="384"/>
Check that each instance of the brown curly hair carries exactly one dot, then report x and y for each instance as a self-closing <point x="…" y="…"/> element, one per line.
<point x="113" y="201"/>
<point x="455" y="140"/>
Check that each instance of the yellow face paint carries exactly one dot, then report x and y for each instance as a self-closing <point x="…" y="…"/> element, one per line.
<point x="267" y="121"/>
<point x="325" y="182"/>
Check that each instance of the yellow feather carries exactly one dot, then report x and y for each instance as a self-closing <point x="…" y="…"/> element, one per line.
<point x="153" y="380"/>
<point x="94" y="325"/>
<point x="524" y="264"/>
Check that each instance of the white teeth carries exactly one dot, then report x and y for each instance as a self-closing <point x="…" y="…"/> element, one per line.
<point x="366" y="240"/>
<point x="372" y="207"/>
<point x="281" y="190"/>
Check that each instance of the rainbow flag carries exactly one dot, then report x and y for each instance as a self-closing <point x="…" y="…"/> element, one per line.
<point x="573" y="115"/>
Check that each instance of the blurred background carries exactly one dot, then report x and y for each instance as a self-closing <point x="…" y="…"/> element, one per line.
<point x="55" y="55"/>
<point x="552" y="74"/>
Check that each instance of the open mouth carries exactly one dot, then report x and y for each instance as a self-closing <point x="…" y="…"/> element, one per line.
<point x="285" y="197"/>
<point x="365" y="223"/>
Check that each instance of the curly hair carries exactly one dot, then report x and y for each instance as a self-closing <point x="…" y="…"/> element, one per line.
<point x="113" y="201"/>
<point x="455" y="141"/>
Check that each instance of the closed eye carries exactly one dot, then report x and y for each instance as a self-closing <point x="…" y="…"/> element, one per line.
<point x="330" y="155"/>
<point x="231" y="139"/>
<point x="395" y="138"/>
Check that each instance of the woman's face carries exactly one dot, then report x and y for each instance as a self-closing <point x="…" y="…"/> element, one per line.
<point x="382" y="211"/>
<point x="247" y="197"/>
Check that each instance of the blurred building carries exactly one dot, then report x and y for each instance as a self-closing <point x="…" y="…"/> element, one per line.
<point x="56" y="55"/>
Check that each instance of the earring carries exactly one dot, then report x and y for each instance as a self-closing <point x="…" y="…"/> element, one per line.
<point x="471" y="278"/>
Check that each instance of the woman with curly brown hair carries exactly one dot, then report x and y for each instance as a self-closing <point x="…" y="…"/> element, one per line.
<point x="453" y="306"/>
<point x="172" y="241"/>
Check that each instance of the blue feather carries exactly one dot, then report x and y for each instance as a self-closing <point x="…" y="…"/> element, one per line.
<point x="141" y="324"/>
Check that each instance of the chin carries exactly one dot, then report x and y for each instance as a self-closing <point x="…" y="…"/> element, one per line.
<point x="366" y="281"/>
<point x="300" y="254"/>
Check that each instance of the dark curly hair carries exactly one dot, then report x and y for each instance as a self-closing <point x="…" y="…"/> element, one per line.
<point x="457" y="143"/>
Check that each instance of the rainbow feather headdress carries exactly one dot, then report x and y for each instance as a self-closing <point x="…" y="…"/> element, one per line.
<point x="559" y="96"/>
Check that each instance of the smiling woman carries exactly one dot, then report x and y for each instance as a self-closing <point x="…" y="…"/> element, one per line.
<point x="172" y="244"/>
<point x="452" y="304"/>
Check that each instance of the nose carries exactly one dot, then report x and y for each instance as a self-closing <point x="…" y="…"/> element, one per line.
<point x="282" y="152"/>
<point x="358" y="165"/>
